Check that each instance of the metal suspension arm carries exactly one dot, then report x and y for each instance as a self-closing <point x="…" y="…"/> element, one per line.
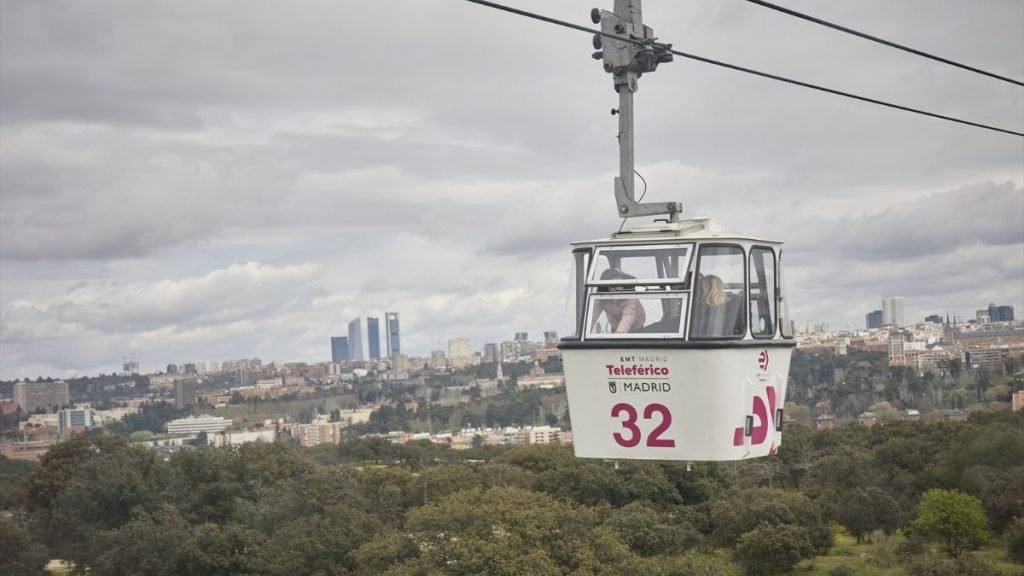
<point x="627" y="61"/>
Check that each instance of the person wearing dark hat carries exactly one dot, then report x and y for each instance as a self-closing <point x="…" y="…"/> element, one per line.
<point x="624" y="314"/>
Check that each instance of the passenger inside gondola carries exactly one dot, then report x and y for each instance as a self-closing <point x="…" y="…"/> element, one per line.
<point x="624" y="314"/>
<point x="717" y="310"/>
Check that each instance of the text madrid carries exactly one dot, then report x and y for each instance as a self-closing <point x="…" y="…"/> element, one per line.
<point x="645" y="387"/>
<point x="635" y="370"/>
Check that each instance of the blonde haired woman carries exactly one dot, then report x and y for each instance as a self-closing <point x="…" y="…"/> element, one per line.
<point x="713" y="290"/>
<point x="713" y="316"/>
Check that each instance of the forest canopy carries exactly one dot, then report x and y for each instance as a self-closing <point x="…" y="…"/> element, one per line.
<point x="370" y="507"/>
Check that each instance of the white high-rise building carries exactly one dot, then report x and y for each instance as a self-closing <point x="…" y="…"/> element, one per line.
<point x="892" y="311"/>
<point x="355" y="340"/>
<point x="460" y="352"/>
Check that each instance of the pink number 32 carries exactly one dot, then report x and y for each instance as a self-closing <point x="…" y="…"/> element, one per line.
<point x="635" y="435"/>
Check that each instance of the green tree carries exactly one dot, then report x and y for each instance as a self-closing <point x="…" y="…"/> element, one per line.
<point x="312" y="495"/>
<point x="845" y="466"/>
<point x="57" y="468"/>
<point x="985" y="458"/>
<point x="884" y="411"/>
<point x="586" y="482"/>
<point x="390" y="492"/>
<point x="1001" y="492"/>
<point x="955" y="368"/>
<point x="501" y="475"/>
<point x="864" y="510"/>
<point x="105" y="484"/>
<point x="205" y="487"/>
<point x="14" y="475"/>
<point x="904" y="459"/>
<point x="323" y="544"/>
<point x="648" y="482"/>
<point x="956" y="520"/>
<point x="513" y="532"/>
<point x="20" y="555"/>
<point x="261" y="465"/>
<point x="148" y="544"/>
<point x="699" y="482"/>
<point x="768" y="550"/>
<point x="440" y="481"/>
<point x="152" y="417"/>
<point x="223" y="550"/>
<point x="737" y="512"/>
<point x="389" y="549"/>
<point x="1015" y="540"/>
<point x="648" y="532"/>
<point x="982" y="381"/>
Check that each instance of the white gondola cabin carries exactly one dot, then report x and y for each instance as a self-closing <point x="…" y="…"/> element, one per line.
<point x="680" y="340"/>
<point x="681" y="344"/>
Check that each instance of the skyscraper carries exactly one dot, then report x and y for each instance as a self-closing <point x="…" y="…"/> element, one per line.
<point x="185" y="393"/>
<point x="355" y="340"/>
<point x="460" y="352"/>
<point x="491" y="353"/>
<point x="373" y="336"/>
<point x="892" y="311"/>
<point x="873" y="319"/>
<point x="339" y="349"/>
<point x="393" y="342"/>
<point x="1000" y="313"/>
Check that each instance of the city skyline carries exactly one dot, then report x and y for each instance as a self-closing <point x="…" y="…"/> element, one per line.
<point x="338" y="345"/>
<point x="964" y="316"/>
<point x="221" y="199"/>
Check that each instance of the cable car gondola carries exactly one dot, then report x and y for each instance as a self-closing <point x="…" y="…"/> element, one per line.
<point x="703" y="375"/>
<point x="681" y="341"/>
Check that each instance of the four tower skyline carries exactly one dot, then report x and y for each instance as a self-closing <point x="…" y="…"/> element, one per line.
<point x="351" y="347"/>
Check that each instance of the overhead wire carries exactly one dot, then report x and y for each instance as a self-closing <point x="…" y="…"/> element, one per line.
<point x="845" y="94"/>
<point x="922" y="53"/>
<point x="668" y="48"/>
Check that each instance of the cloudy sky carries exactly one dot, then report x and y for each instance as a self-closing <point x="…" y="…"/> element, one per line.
<point x="196" y="181"/>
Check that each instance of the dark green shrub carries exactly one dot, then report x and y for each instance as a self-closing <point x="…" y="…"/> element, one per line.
<point x="1015" y="540"/>
<point x="936" y="565"/>
<point x="769" y="550"/>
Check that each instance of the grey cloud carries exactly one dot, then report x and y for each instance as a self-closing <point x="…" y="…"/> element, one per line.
<point x="157" y="61"/>
<point x="164" y="192"/>
<point x="980" y="214"/>
<point x="220" y="297"/>
<point x="964" y="278"/>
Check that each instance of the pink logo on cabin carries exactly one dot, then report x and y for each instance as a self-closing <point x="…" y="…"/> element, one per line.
<point x="765" y="414"/>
